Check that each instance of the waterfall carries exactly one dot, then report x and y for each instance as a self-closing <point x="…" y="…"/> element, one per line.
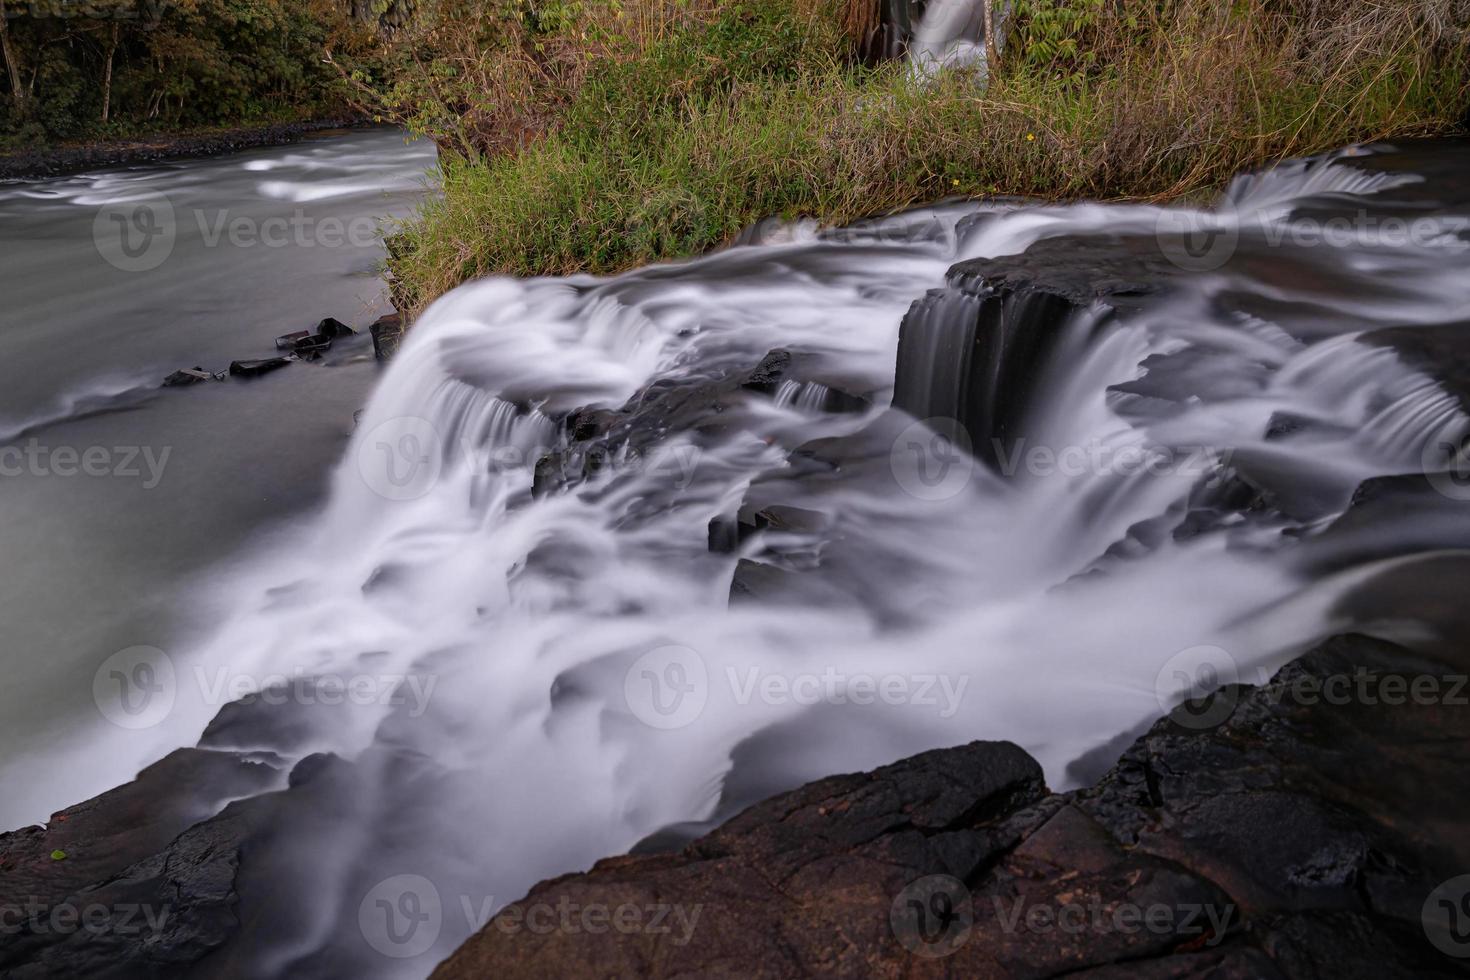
<point x="951" y="34"/>
<point x="1036" y="590"/>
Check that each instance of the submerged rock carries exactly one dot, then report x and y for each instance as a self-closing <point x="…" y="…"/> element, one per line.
<point x="255" y="368"/>
<point x="186" y="377"/>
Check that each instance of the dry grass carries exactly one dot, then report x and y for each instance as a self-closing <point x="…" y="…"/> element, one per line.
<point x="690" y="131"/>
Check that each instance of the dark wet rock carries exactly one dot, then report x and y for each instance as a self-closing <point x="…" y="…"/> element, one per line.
<point x="1291" y="836"/>
<point x="288" y="341"/>
<point x="1390" y="516"/>
<point x="1282" y="425"/>
<point x="256" y="368"/>
<point x="705" y="405"/>
<point x="309" y="344"/>
<point x="332" y="328"/>
<point x="769" y="373"/>
<point x="1441" y="351"/>
<point x="1272" y="831"/>
<point x="146" y="884"/>
<point x="1194" y="373"/>
<point x="186" y="377"/>
<point x="1080" y="269"/>
<point x="970" y="357"/>
<point x="387" y="333"/>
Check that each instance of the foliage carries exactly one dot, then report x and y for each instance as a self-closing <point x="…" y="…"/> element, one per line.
<point x="648" y="146"/>
<point x="169" y="64"/>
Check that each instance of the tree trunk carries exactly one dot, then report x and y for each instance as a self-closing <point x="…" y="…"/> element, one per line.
<point x="107" y="72"/>
<point x="17" y="88"/>
<point x="992" y="53"/>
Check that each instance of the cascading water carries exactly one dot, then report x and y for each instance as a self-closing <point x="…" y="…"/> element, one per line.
<point x="568" y="671"/>
<point x="951" y="34"/>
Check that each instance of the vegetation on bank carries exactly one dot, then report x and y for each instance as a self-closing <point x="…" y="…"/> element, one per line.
<point x="603" y="134"/>
<point x="594" y="135"/>
<point x="96" y="70"/>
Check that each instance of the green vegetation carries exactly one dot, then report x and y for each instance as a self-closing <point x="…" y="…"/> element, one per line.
<point x="613" y="134"/>
<point x="99" y="69"/>
<point x="594" y="135"/>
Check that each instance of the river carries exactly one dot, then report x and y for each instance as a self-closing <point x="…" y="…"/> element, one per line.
<point x="607" y="559"/>
<point x="262" y="243"/>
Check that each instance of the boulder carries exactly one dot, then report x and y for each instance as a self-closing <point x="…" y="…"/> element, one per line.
<point x="1291" y="836"/>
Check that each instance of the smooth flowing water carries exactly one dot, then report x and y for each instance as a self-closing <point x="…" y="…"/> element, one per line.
<point x="99" y="560"/>
<point x="545" y="678"/>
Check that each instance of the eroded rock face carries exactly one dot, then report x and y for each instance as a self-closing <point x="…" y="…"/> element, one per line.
<point x="1282" y="831"/>
<point x="137" y="882"/>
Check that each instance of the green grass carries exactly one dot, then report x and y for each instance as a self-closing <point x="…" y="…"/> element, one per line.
<point x="675" y="150"/>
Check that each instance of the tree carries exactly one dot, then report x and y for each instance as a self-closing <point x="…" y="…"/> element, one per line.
<point x="12" y="62"/>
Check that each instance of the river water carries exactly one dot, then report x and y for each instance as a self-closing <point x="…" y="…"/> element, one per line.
<point x="262" y="243"/>
<point x="737" y="584"/>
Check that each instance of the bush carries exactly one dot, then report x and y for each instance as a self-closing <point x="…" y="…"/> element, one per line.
<point x="648" y="145"/>
<point x="175" y="65"/>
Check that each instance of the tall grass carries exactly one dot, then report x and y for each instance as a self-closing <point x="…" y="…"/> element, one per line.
<point x="697" y="127"/>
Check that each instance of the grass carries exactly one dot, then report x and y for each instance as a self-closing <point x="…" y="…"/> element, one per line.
<point x="672" y="143"/>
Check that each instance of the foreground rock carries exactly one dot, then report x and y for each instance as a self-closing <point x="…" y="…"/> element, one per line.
<point x="1263" y="833"/>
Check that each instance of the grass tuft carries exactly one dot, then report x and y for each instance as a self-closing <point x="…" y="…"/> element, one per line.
<point x="669" y="137"/>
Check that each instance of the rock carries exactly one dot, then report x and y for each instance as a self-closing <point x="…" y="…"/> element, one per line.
<point x="149" y="853"/>
<point x="288" y="341"/>
<point x="186" y="377"/>
<point x="970" y="355"/>
<point x="332" y="328"/>
<point x="1439" y="351"/>
<point x="254" y="369"/>
<point x="1294" y="838"/>
<point x="769" y="373"/>
<point x="387" y="333"/>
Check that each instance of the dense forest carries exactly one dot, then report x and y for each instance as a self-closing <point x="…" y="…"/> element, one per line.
<point x="88" y="69"/>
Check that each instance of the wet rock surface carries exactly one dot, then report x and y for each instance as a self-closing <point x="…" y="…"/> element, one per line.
<point x="1296" y="829"/>
<point x="139" y="881"/>
<point x="1273" y="831"/>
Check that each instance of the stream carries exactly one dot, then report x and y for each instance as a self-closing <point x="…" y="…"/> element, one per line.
<point x="181" y="479"/>
<point x="606" y="560"/>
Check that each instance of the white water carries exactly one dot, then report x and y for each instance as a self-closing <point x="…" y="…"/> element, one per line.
<point x="951" y="34"/>
<point x="539" y="622"/>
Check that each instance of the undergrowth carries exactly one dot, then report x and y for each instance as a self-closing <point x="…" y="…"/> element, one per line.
<point x="660" y="128"/>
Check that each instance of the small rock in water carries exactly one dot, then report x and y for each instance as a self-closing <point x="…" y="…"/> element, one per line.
<point x="186" y="377"/>
<point x="253" y="369"/>
<point x="331" y="328"/>
<point x="288" y="341"/>
<point x="387" y="331"/>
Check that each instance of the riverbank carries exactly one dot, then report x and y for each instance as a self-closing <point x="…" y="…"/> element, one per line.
<point x="63" y="159"/>
<point x="653" y="145"/>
